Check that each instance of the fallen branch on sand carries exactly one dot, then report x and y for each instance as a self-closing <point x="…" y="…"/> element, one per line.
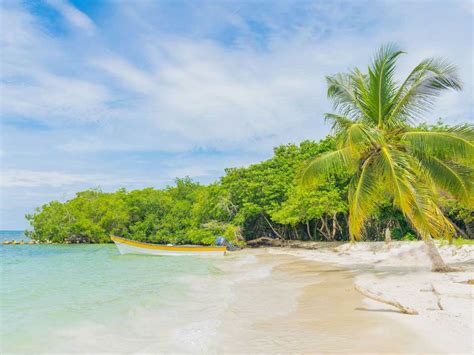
<point x="438" y="298"/>
<point x="265" y="242"/>
<point x="379" y="298"/>
<point x="437" y="295"/>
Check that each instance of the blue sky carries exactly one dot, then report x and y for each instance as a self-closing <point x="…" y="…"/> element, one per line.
<point x="131" y="94"/>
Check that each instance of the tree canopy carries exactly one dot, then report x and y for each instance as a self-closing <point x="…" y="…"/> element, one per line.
<point x="378" y="170"/>
<point x="262" y="199"/>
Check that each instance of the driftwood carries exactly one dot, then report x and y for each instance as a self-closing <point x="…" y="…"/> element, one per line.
<point x="437" y="295"/>
<point x="299" y="244"/>
<point x="265" y="242"/>
<point x="378" y="298"/>
<point x="438" y="298"/>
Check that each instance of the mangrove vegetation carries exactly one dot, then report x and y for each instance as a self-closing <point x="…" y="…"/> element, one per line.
<point x="380" y="174"/>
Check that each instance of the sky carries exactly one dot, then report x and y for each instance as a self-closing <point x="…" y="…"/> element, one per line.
<point x="109" y="94"/>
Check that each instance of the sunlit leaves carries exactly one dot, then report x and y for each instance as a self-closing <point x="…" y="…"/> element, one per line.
<point x="328" y="164"/>
<point x="388" y="157"/>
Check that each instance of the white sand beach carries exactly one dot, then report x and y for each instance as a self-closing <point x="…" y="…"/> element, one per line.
<point x="265" y="300"/>
<point x="401" y="272"/>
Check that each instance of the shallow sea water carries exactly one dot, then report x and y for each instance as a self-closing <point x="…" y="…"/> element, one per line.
<point x="68" y="297"/>
<point x="89" y="298"/>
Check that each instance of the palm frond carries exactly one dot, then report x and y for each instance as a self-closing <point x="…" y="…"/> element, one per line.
<point x="395" y="167"/>
<point x="360" y="84"/>
<point x="382" y="87"/>
<point x="328" y="164"/>
<point x="426" y="217"/>
<point x="414" y="197"/>
<point x="364" y="197"/>
<point x="464" y="130"/>
<point x="455" y="179"/>
<point x="338" y="123"/>
<point x="422" y="86"/>
<point x="454" y="143"/>
<point x="359" y="138"/>
<point x="341" y="91"/>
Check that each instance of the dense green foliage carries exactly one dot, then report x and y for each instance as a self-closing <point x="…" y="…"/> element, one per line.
<point x="377" y="173"/>
<point x="263" y="199"/>
<point x="390" y="159"/>
<point x="185" y="213"/>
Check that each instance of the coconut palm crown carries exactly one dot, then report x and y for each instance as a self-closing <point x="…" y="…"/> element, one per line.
<point x="388" y="157"/>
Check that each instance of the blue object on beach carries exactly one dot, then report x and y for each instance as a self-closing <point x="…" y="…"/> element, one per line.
<point x="221" y="241"/>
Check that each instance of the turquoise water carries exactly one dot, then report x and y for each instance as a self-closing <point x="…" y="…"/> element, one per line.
<point x="91" y="298"/>
<point x="12" y="235"/>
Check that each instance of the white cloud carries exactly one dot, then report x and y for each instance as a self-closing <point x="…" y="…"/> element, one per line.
<point x="73" y="15"/>
<point x="63" y="98"/>
<point x="140" y="89"/>
<point x="468" y="5"/>
<point x="13" y="178"/>
<point x="176" y="93"/>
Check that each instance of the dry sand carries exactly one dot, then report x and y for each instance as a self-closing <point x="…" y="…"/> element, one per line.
<point x="400" y="271"/>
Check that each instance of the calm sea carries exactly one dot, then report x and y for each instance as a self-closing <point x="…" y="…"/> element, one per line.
<point x="12" y="235"/>
<point x="88" y="298"/>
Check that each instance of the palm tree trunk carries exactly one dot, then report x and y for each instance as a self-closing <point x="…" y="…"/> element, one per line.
<point x="437" y="262"/>
<point x="388" y="235"/>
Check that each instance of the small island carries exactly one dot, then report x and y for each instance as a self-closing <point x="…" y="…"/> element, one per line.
<point x="156" y="218"/>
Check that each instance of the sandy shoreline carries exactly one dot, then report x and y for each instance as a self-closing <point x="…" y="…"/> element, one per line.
<point x="400" y="272"/>
<point x="266" y="300"/>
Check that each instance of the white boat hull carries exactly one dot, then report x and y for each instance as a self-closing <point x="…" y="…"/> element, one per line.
<point x="126" y="246"/>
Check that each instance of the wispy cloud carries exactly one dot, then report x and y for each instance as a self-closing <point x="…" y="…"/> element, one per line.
<point x="31" y="178"/>
<point x="73" y="15"/>
<point x="134" y="85"/>
<point x="176" y="92"/>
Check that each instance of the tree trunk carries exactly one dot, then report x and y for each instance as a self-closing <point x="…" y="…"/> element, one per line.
<point x="459" y="230"/>
<point x="334" y="226"/>
<point x="273" y="229"/>
<point x="308" y="229"/>
<point x="437" y="262"/>
<point x="469" y="229"/>
<point x="388" y="235"/>
<point x="324" y="229"/>
<point x="296" y="233"/>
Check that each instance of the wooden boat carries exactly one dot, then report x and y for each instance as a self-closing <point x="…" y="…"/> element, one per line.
<point x="127" y="246"/>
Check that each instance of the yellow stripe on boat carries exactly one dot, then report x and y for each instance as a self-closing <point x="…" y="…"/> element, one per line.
<point x="127" y="246"/>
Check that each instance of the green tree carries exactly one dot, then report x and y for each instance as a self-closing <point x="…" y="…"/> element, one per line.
<point x="317" y="209"/>
<point x="92" y="216"/>
<point x="388" y="157"/>
<point x="256" y="191"/>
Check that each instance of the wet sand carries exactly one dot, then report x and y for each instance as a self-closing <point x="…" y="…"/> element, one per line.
<point x="280" y="301"/>
<point x="400" y="271"/>
<point x="308" y="307"/>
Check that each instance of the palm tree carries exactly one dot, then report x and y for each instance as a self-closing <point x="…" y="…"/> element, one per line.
<point x="389" y="157"/>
